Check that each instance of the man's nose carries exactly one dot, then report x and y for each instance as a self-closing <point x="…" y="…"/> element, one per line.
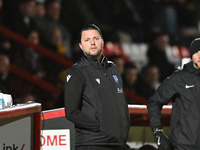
<point x="92" y="41"/>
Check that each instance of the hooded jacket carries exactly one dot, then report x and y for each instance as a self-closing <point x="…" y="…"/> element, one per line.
<point x="183" y="88"/>
<point x="95" y="103"/>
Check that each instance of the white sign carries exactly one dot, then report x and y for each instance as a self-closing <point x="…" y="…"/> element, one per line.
<point x="55" y="139"/>
<point x="15" y="133"/>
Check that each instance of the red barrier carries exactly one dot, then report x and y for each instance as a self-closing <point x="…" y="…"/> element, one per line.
<point x="38" y="48"/>
<point x="33" y="80"/>
<point x="138" y="114"/>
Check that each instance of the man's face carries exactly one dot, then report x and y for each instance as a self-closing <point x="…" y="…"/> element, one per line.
<point x="4" y="65"/>
<point x="53" y="10"/>
<point x="119" y="62"/>
<point x="162" y="42"/>
<point x="152" y="75"/>
<point x="196" y="59"/>
<point x="131" y="76"/>
<point x="28" y="9"/>
<point x="56" y="38"/>
<point x="91" y="44"/>
<point x="33" y="37"/>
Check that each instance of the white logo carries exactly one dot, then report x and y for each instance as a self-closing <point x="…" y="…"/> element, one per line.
<point x="188" y="86"/>
<point x="98" y="80"/>
<point x="119" y="90"/>
<point x="158" y="140"/>
<point x="68" y="77"/>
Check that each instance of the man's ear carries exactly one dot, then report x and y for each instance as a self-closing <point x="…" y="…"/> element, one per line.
<point x="102" y="43"/>
<point x="80" y="45"/>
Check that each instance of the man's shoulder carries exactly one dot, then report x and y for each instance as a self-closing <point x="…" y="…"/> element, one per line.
<point x="75" y="71"/>
<point x="111" y="64"/>
<point x="178" y="74"/>
<point x="79" y="65"/>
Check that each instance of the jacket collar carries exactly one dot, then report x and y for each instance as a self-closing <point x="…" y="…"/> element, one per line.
<point x="190" y="68"/>
<point x="103" y="62"/>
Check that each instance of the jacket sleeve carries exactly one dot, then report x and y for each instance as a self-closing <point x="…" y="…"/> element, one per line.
<point x="162" y="97"/>
<point x="74" y="86"/>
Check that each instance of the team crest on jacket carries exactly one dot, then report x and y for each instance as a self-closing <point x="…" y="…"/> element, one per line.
<point x="115" y="78"/>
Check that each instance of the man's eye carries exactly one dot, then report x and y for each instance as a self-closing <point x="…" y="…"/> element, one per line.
<point x="96" y="38"/>
<point x="86" y="39"/>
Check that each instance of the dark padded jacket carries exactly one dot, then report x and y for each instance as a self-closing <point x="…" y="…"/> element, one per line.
<point x="183" y="88"/>
<point x="95" y="103"/>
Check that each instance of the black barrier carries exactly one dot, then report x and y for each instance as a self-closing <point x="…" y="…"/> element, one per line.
<point x="55" y="120"/>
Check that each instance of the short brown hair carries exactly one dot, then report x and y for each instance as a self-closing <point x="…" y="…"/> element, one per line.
<point x="89" y="27"/>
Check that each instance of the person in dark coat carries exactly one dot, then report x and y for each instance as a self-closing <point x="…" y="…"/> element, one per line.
<point x="157" y="55"/>
<point x="182" y="87"/>
<point x="94" y="97"/>
<point x="147" y="81"/>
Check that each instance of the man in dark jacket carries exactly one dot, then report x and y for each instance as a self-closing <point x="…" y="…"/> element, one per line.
<point x="94" y="97"/>
<point x="183" y="88"/>
<point x="157" y="55"/>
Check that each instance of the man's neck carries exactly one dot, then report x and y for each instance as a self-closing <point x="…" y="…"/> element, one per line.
<point x="95" y="58"/>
